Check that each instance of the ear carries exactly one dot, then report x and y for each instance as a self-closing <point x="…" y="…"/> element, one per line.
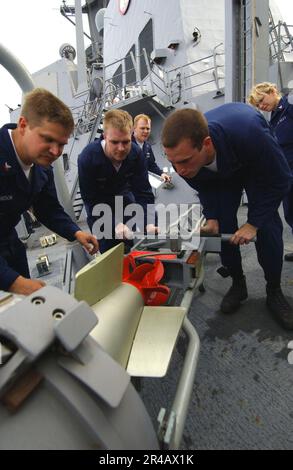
<point x="209" y="146"/>
<point x="22" y="124"/>
<point x="207" y="142"/>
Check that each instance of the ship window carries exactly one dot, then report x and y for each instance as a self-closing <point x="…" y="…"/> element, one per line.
<point x="145" y="41"/>
<point x="129" y="68"/>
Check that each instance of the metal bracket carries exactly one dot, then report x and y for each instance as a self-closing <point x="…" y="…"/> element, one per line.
<point x="166" y="429"/>
<point x="41" y="312"/>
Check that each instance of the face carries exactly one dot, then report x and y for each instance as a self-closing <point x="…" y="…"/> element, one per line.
<point x="118" y="144"/>
<point x="142" y="130"/>
<point x="188" y="160"/>
<point x="42" y="144"/>
<point x="268" y="101"/>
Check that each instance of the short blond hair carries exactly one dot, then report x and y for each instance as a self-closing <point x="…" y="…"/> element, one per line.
<point x="40" y="105"/>
<point x="118" y="119"/>
<point x="257" y="92"/>
<point x="145" y="117"/>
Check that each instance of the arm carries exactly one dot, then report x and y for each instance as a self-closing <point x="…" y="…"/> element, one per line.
<point x="11" y="281"/>
<point x="25" y="286"/>
<point x="7" y="275"/>
<point x="50" y="213"/>
<point x="88" y="241"/>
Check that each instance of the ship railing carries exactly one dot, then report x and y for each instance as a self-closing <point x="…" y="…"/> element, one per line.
<point x="89" y="115"/>
<point x="171" y="86"/>
<point x="180" y="78"/>
<point x="159" y="79"/>
<point x="89" y="118"/>
<point x="84" y="116"/>
<point x="122" y="78"/>
<point x="281" y="41"/>
<point x="125" y="82"/>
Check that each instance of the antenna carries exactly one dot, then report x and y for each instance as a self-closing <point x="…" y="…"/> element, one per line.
<point x="9" y="108"/>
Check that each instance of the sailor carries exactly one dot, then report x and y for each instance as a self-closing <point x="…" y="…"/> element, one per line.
<point x="110" y="169"/>
<point x="27" y="151"/>
<point x="266" y="97"/>
<point x="219" y="154"/>
<point x="141" y="132"/>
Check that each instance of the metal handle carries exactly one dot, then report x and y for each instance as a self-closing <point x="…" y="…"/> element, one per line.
<point x="225" y="237"/>
<point x="186" y="381"/>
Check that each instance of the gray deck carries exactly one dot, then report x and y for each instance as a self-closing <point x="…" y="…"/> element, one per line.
<point x="243" y="394"/>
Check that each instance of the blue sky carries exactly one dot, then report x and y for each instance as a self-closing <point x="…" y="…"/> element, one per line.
<point x="33" y="30"/>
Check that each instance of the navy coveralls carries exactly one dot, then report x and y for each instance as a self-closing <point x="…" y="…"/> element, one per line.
<point x="248" y="156"/>
<point x="17" y="195"/>
<point x="149" y="157"/>
<point x="282" y="124"/>
<point x="99" y="184"/>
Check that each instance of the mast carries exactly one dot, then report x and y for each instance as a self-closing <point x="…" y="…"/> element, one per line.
<point x="247" y="51"/>
<point x="80" y="48"/>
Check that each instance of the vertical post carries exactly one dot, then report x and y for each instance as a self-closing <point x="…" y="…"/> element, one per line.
<point x="247" y="46"/>
<point x="231" y="58"/>
<point x="123" y="74"/>
<point x="81" y="63"/>
<point x="147" y="63"/>
<point x="261" y="53"/>
<point x="167" y="86"/>
<point x="137" y="77"/>
<point x="216" y="75"/>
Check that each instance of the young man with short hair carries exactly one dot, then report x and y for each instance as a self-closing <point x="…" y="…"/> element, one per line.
<point x="218" y="154"/>
<point x="141" y="132"/>
<point x="110" y="167"/>
<point x="27" y="151"/>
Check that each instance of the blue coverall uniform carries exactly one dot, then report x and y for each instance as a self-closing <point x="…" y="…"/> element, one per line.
<point x="282" y="124"/>
<point x="17" y="194"/>
<point x="248" y="157"/>
<point x="149" y="157"/>
<point x="100" y="182"/>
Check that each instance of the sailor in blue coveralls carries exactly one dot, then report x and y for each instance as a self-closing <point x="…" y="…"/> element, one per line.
<point x="113" y="169"/>
<point x="266" y="97"/>
<point x="229" y="149"/>
<point x="141" y="133"/>
<point x="26" y="180"/>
